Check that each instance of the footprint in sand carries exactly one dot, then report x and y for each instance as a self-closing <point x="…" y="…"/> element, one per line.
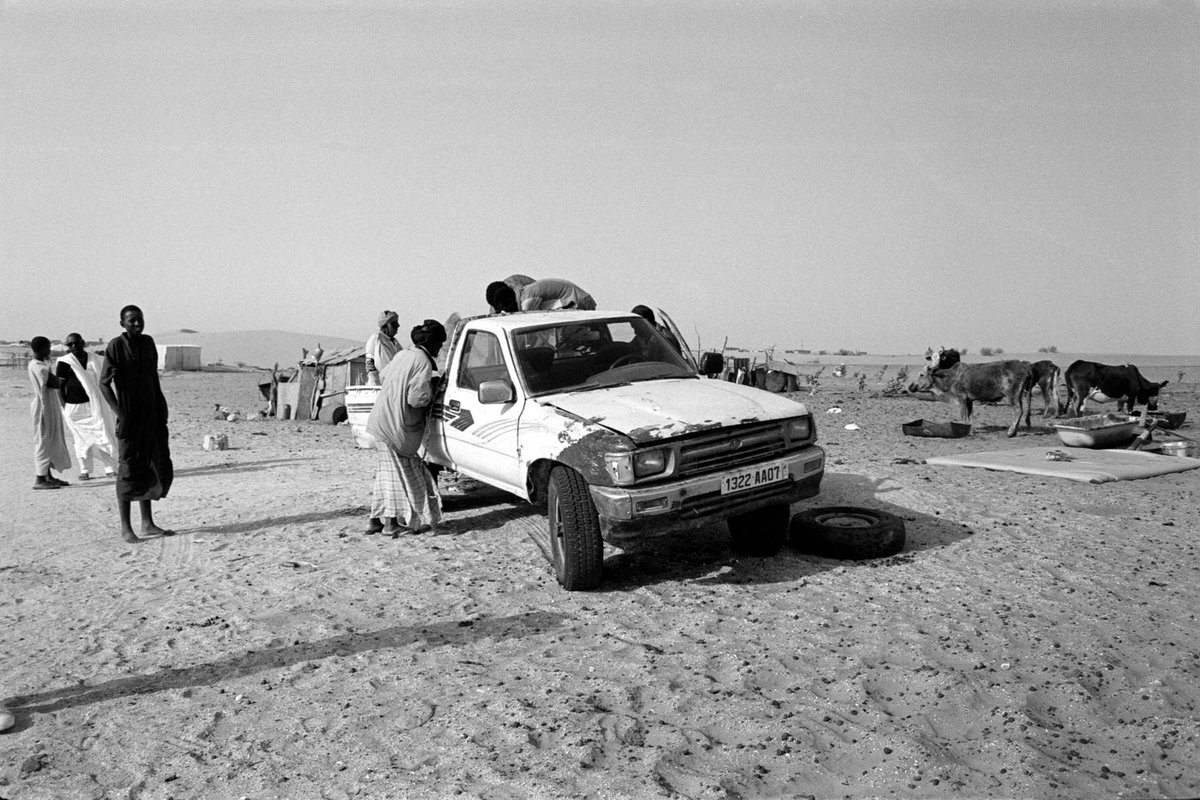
<point x="176" y="549"/>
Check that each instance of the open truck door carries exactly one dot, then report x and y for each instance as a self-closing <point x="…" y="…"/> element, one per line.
<point x="687" y="353"/>
<point x="709" y="365"/>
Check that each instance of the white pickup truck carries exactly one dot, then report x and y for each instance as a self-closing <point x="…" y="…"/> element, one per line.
<point x="596" y="415"/>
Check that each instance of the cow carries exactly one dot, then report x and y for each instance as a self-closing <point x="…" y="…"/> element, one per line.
<point x="1087" y="380"/>
<point x="1047" y="377"/>
<point x="947" y="376"/>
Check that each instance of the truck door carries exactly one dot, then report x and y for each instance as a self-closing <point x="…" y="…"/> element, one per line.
<point x="666" y="320"/>
<point x="479" y="432"/>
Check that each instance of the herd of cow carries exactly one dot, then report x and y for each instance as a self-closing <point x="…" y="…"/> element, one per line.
<point x="946" y="376"/>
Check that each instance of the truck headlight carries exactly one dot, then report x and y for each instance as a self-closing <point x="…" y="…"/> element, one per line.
<point x="799" y="429"/>
<point x="625" y="468"/>
<point x="649" y="462"/>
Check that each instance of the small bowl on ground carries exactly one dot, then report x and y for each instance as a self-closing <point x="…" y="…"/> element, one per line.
<point x="1186" y="449"/>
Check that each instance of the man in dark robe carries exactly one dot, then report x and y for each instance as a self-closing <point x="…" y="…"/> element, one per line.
<point x="129" y="383"/>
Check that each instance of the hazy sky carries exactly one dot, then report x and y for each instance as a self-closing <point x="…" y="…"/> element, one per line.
<point x="874" y="176"/>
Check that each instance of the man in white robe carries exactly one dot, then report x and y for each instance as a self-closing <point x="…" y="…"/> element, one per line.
<point x="382" y="346"/>
<point x="49" y="443"/>
<point x="89" y="418"/>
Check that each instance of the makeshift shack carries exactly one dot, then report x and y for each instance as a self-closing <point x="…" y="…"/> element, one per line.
<point x="318" y="388"/>
<point x="176" y="357"/>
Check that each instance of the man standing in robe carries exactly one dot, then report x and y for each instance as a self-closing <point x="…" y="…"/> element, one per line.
<point x="404" y="495"/>
<point x="129" y="383"/>
<point x="87" y="414"/>
<point x="382" y="346"/>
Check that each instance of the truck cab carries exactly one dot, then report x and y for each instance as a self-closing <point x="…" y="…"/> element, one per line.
<point x="598" y="416"/>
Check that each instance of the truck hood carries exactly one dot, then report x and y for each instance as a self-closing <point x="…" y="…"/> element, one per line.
<point x="651" y="410"/>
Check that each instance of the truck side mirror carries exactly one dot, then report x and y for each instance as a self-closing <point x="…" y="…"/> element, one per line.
<point x="491" y="392"/>
<point x="712" y="364"/>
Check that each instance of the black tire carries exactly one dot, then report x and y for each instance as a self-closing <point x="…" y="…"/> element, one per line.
<point x="576" y="546"/>
<point x="761" y="532"/>
<point x="333" y="414"/>
<point x="847" y="532"/>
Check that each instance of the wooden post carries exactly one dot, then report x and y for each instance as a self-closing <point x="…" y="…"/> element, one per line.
<point x="273" y="397"/>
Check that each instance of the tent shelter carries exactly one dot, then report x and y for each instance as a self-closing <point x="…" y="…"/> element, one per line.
<point x="176" y="357"/>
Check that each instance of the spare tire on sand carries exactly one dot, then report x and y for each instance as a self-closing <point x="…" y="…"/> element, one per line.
<point x="847" y="532"/>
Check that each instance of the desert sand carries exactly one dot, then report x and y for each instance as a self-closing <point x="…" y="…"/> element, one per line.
<point x="1036" y="637"/>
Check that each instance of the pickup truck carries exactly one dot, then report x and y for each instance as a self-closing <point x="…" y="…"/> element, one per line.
<point x="596" y="415"/>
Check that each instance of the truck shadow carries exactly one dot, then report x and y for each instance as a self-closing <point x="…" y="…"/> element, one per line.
<point x="703" y="555"/>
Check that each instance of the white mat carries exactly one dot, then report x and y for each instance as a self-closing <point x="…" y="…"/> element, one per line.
<point x="1088" y="466"/>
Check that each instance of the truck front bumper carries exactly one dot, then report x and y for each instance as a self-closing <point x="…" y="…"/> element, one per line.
<point x="700" y="500"/>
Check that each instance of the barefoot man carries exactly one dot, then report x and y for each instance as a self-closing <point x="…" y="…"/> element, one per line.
<point x="129" y="383"/>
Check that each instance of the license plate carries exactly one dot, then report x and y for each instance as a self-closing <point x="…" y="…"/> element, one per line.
<point x="753" y="477"/>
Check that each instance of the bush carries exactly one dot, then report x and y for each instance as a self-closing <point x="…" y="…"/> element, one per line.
<point x="988" y="351"/>
<point x="1050" y="349"/>
<point x="897" y="384"/>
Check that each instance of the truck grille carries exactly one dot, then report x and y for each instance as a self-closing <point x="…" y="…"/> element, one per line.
<point x="730" y="447"/>
<point x="705" y="505"/>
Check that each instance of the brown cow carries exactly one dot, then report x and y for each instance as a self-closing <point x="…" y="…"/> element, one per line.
<point x="1048" y="377"/>
<point x="947" y="376"/>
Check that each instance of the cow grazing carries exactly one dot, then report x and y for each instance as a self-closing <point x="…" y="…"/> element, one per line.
<point x="947" y="376"/>
<point x="1087" y="380"/>
<point x="1047" y="377"/>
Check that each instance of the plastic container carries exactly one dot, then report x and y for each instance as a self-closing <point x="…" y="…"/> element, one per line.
<point x="1097" y="431"/>
<point x="359" y="402"/>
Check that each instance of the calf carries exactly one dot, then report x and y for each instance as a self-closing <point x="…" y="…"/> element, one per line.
<point x="1087" y="380"/>
<point x="1047" y="377"/>
<point x="947" y="376"/>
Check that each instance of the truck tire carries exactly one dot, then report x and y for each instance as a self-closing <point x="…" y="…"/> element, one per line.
<point x="760" y="532"/>
<point x="576" y="546"/>
<point x="847" y="532"/>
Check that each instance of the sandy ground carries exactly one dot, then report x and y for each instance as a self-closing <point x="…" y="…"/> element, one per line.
<point x="1036" y="638"/>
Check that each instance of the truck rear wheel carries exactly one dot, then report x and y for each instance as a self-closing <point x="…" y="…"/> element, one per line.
<point x="761" y="532"/>
<point x="576" y="547"/>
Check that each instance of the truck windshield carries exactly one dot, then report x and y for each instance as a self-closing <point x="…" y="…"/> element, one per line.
<point x="589" y="355"/>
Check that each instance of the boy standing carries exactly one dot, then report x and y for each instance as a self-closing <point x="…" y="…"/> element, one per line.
<point x="49" y="442"/>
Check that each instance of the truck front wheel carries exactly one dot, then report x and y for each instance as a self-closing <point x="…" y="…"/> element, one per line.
<point x="761" y="532"/>
<point x="576" y="547"/>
